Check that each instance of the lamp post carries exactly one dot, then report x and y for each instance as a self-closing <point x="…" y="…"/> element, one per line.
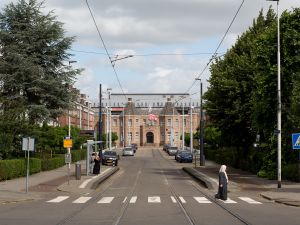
<point x="69" y="124"/>
<point x="191" y="127"/>
<point x="201" y="133"/>
<point x="109" y="113"/>
<point x="278" y="131"/>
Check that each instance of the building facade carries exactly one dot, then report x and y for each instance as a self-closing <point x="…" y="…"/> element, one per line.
<point x="150" y="119"/>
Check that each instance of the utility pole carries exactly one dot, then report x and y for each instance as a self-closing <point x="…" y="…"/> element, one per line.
<point x="100" y="124"/>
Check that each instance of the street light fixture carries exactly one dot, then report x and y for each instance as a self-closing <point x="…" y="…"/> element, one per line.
<point x="278" y="131"/>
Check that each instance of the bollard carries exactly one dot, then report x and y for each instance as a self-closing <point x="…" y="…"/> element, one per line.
<point x="78" y="170"/>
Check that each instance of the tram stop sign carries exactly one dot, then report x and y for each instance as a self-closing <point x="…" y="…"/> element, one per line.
<point x="68" y="142"/>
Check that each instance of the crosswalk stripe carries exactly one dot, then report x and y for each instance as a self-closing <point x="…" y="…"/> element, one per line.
<point x="59" y="199"/>
<point x="133" y="199"/>
<point x="82" y="200"/>
<point x="249" y="200"/>
<point x="228" y="201"/>
<point x="173" y="199"/>
<point x="182" y="199"/>
<point x="124" y="199"/>
<point x="105" y="200"/>
<point x="202" y="200"/>
<point x="154" y="199"/>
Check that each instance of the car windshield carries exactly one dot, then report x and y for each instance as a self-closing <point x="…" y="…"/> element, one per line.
<point x="110" y="153"/>
<point x="128" y="149"/>
<point x="173" y="148"/>
<point x="186" y="154"/>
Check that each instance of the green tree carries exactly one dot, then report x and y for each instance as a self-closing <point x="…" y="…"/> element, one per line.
<point x="35" y="76"/>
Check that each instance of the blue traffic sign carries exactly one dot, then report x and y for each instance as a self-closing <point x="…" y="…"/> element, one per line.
<point x="296" y="140"/>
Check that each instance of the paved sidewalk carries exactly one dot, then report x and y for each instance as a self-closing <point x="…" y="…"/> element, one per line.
<point x="239" y="180"/>
<point x="42" y="183"/>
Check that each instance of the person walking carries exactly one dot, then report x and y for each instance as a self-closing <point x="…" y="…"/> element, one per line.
<point x="223" y="181"/>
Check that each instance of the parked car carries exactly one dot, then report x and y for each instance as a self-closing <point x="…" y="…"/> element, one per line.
<point x="165" y="147"/>
<point x="178" y="152"/>
<point x="172" y="150"/>
<point x="128" y="151"/>
<point x="184" y="156"/>
<point x="135" y="147"/>
<point x="110" y="158"/>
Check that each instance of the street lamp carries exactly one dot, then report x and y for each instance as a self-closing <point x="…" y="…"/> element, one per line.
<point x="278" y="131"/>
<point x="109" y="112"/>
<point x="201" y="133"/>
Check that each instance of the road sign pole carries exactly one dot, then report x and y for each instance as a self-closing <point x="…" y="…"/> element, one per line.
<point x="27" y="173"/>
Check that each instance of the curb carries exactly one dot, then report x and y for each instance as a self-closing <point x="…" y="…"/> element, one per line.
<point x="281" y="201"/>
<point x="104" y="177"/>
<point x="199" y="177"/>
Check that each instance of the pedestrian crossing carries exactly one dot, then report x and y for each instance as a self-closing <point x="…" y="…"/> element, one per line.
<point x="153" y="200"/>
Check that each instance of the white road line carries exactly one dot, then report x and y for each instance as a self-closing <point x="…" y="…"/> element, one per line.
<point x="133" y="199"/>
<point x="228" y="201"/>
<point x="85" y="183"/>
<point x="154" y="199"/>
<point x="249" y="200"/>
<point x="182" y="200"/>
<point x="124" y="199"/>
<point x="82" y="200"/>
<point x="173" y="199"/>
<point x="202" y="200"/>
<point x="58" y="199"/>
<point x="105" y="200"/>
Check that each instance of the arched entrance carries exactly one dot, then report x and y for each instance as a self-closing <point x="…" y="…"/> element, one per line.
<point x="150" y="138"/>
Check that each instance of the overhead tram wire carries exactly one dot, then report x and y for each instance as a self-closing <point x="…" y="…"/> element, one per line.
<point x="145" y="55"/>
<point x="216" y="51"/>
<point x="103" y="43"/>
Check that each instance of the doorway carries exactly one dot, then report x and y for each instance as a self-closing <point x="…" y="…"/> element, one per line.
<point x="150" y="138"/>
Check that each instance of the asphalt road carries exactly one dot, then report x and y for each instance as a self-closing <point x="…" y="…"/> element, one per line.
<point x="150" y="188"/>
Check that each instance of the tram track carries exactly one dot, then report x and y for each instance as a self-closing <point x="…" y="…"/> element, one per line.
<point x="211" y="198"/>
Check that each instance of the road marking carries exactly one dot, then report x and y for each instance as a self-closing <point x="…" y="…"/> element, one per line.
<point x="105" y="200"/>
<point x="124" y="199"/>
<point x="58" y="199"/>
<point x="249" y="200"/>
<point x="82" y="200"/>
<point x="173" y="199"/>
<point x="182" y="200"/>
<point x="228" y="201"/>
<point x="154" y="199"/>
<point x="202" y="200"/>
<point x="133" y="199"/>
<point x="85" y="183"/>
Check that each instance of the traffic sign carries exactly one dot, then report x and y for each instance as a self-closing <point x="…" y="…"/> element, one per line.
<point x="68" y="142"/>
<point x="296" y="140"/>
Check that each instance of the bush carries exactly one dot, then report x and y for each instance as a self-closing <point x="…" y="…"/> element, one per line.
<point x="53" y="163"/>
<point x="290" y="172"/>
<point x="78" y="155"/>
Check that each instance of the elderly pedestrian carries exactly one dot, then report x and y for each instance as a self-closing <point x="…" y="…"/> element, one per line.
<point x="223" y="181"/>
<point x="96" y="169"/>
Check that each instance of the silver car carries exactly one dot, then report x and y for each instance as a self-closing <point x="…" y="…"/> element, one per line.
<point x="128" y="151"/>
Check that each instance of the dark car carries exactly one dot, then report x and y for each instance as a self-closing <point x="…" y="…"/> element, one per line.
<point x="165" y="147"/>
<point x="178" y="152"/>
<point x="172" y="150"/>
<point x="110" y="158"/>
<point x="134" y="147"/>
<point x="184" y="156"/>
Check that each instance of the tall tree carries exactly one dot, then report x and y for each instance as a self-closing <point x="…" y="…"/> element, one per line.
<point x="34" y="70"/>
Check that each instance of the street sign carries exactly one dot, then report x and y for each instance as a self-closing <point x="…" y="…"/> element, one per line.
<point x="296" y="140"/>
<point x="68" y="158"/>
<point x="28" y="144"/>
<point x="68" y="142"/>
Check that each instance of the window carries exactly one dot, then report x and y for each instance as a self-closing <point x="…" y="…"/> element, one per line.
<point x="130" y="122"/>
<point x="144" y="121"/>
<point x="137" y="135"/>
<point x="169" y="122"/>
<point x="176" y="123"/>
<point x="136" y="120"/>
<point x="129" y="136"/>
<point x="115" y="122"/>
<point x="184" y="122"/>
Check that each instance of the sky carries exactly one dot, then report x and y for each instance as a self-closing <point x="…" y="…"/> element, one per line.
<point x="171" y="41"/>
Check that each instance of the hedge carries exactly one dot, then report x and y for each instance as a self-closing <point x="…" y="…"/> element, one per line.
<point x="14" y="168"/>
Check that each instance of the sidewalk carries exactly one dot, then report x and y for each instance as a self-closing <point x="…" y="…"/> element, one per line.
<point x="49" y="181"/>
<point x="239" y="180"/>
